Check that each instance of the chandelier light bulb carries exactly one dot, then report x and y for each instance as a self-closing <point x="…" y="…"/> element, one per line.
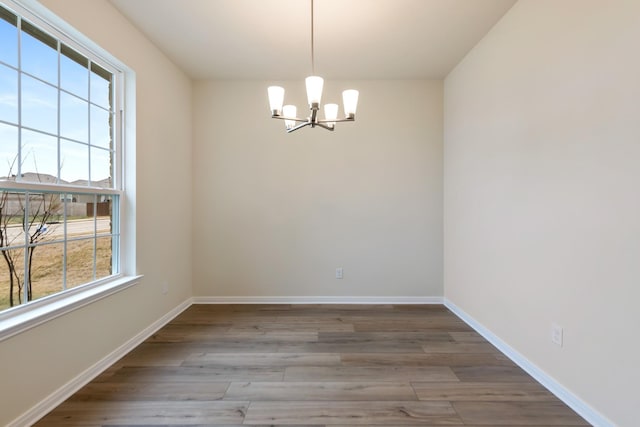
<point x="330" y="113"/>
<point x="289" y="111"/>
<point x="350" y="101"/>
<point x="314" y="89"/>
<point x="276" y="99"/>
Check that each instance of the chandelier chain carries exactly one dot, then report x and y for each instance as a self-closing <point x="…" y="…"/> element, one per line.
<point x="313" y="64"/>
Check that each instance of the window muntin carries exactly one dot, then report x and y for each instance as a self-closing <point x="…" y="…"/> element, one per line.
<point x="58" y="131"/>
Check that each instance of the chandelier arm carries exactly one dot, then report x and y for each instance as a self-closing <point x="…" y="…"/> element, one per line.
<point x="300" y="126"/>
<point x="297" y="119"/>
<point x="346" y="119"/>
<point x="323" y="126"/>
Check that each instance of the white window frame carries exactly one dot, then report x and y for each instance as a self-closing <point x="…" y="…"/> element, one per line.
<point x="23" y="317"/>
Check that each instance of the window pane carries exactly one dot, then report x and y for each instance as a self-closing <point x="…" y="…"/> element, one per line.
<point x="39" y="105"/>
<point x="4" y="283"/>
<point x="8" y="93"/>
<point x="74" y="118"/>
<point x="45" y="210"/>
<point x="74" y="165"/>
<point x="103" y="257"/>
<point x="103" y="211"/>
<point x="74" y="72"/>
<point x="39" y="157"/>
<point x="81" y="216"/>
<point x="73" y="208"/>
<point x="100" y="86"/>
<point x="80" y="223"/>
<point x="100" y="127"/>
<point x="46" y="270"/>
<point x="100" y="167"/>
<point x="79" y="262"/>
<point x="80" y="220"/>
<point x="9" y="37"/>
<point x="11" y="265"/>
<point x="11" y="231"/>
<point x="8" y="150"/>
<point x="39" y="53"/>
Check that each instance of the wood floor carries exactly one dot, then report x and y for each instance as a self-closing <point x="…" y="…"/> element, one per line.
<point x="319" y="365"/>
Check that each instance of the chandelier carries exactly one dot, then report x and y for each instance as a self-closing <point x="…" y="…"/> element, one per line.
<point x="314" y="86"/>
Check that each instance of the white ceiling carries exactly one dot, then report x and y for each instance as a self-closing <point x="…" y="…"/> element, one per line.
<point x="354" y="39"/>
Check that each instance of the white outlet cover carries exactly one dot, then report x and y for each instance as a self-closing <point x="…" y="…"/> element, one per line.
<point x="556" y="334"/>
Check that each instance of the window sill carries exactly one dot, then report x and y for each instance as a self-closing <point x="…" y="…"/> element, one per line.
<point x="22" y="318"/>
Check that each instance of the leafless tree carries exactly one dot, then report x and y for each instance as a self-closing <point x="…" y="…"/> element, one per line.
<point x="30" y="213"/>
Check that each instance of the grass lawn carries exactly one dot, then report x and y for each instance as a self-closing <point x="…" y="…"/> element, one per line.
<point x="47" y="267"/>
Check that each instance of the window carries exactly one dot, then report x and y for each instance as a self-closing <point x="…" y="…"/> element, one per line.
<point x="60" y="162"/>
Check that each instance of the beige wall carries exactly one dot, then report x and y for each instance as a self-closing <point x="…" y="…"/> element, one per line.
<point x="542" y="205"/>
<point x="541" y="201"/>
<point x="41" y="360"/>
<point x="276" y="213"/>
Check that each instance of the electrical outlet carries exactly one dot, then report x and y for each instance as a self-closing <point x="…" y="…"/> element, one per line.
<point x="165" y="287"/>
<point x="556" y="334"/>
<point x="339" y="273"/>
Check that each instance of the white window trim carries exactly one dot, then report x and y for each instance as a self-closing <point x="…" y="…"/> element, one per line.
<point x="21" y="318"/>
<point x="18" y="319"/>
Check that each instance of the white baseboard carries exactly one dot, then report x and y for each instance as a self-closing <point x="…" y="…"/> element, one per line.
<point x="318" y="300"/>
<point x="561" y="392"/>
<point x="63" y="393"/>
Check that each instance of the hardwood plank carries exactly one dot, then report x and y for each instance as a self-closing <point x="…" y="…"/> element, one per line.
<point x="151" y="413"/>
<point x="210" y="425"/>
<point x="205" y="333"/>
<point x="352" y="413"/>
<point x="423" y="359"/>
<point x="372" y="373"/>
<point x="323" y="311"/>
<point x="369" y="315"/>
<point x="481" y="391"/>
<point x="351" y="347"/>
<point x="262" y="359"/>
<point x="213" y="346"/>
<point x="148" y="354"/>
<point x="169" y="391"/>
<point x="410" y="337"/>
<point x="187" y="332"/>
<point x="445" y="323"/>
<point x="458" y="347"/>
<point x="308" y="325"/>
<point x="207" y="425"/>
<point x="518" y="413"/>
<point x="423" y="309"/>
<point x="162" y="374"/>
<point x="495" y="374"/>
<point x="146" y="361"/>
<point x="200" y="425"/>
<point x="467" y="337"/>
<point x="317" y="391"/>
